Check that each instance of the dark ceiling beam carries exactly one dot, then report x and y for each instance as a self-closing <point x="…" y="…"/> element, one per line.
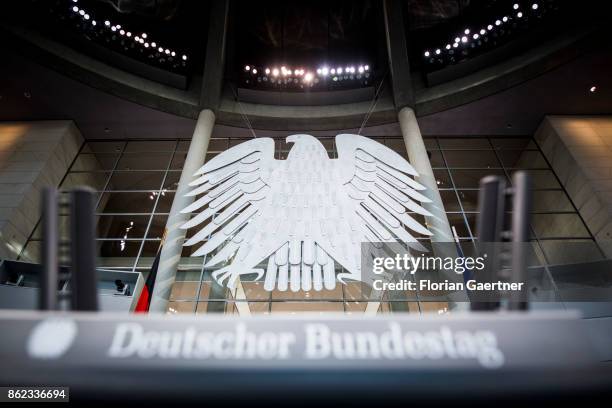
<point x="212" y="79"/>
<point x="397" y="51"/>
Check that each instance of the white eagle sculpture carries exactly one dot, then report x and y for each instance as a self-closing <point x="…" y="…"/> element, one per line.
<point x="302" y="214"/>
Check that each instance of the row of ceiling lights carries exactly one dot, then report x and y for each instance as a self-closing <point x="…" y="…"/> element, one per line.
<point x="467" y="33"/>
<point x="309" y="75"/>
<point x="141" y="39"/>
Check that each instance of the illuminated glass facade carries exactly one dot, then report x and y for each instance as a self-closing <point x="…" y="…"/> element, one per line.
<point x="135" y="181"/>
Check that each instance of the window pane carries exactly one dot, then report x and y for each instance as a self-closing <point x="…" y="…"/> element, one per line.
<point x="122" y="226"/>
<point x="469" y="199"/>
<point x="471" y="178"/>
<point x="398" y="146"/>
<point x="431" y="143"/>
<point x="144" y="161"/>
<point x="120" y="249"/>
<point x="126" y="203"/>
<point x="457" y="221"/>
<point x="449" y="200"/>
<point x="136" y="180"/>
<point x="442" y="178"/>
<point x="164" y="202"/>
<point x="156" y="230"/>
<point x="471" y="158"/>
<point x="172" y="180"/>
<point x="559" y="226"/>
<point x="435" y="158"/>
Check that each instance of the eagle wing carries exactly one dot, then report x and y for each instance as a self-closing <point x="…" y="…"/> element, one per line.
<point x="231" y="187"/>
<point x="379" y="183"/>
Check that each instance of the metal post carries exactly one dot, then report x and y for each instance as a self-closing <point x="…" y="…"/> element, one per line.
<point x="83" y="270"/>
<point x="490" y="224"/>
<point x="175" y="236"/>
<point x="521" y="207"/>
<point x="48" y="279"/>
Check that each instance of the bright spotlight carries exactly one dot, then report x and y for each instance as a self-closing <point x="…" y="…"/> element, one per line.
<point x="475" y="36"/>
<point x="308" y="77"/>
<point x="75" y="9"/>
<point x="466" y="32"/>
<point x="455" y="45"/>
<point x="366" y="67"/>
<point x="275" y="72"/>
<point x="339" y="70"/>
<point x="267" y="71"/>
<point x="519" y="14"/>
<point x="360" y="69"/>
<point x="497" y="22"/>
<point x="448" y="46"/>
<point x="184" y="57"/>
<point x="247" y="67"/>
<point x="324" y="71"/>
<point x="457" y="39"/>
<point x="464" y="39"/>
<point x="254" y="71"/>
<point x="489" y="27"/>
<point x="438" y="51"/>
<point x="482" y="32"/>
<point x="333" y="71"/>
<point x="516" y="6"/>
<point x="505" y="19"/>
<point x="107" y="23"/>
<point x="534" y="6"/>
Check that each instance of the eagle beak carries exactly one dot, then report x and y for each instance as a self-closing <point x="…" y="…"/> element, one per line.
<point x="291" y="139"/>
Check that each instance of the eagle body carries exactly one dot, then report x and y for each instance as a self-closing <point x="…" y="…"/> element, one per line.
<point x="304" y="214"/>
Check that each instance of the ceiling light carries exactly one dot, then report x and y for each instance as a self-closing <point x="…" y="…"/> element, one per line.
<point x="534" y="6"/>
<point x="475" y="36"/>
<point x="184" y="57"/>
<point x="489" y="27"/>
<point x="497" y="22"/>
<point x="516" y="6"/>
<point x="275" y="72"/>
<point x="519" y="14"/>
<point x="464" y="39"/>
<point x="467" y="31"/>
<point x="505" y="19"/>
<point x="483" y="32"/>
<point x="438" y="51"/>
<point x="593" y="88"/>
<point x="427" y="53"/>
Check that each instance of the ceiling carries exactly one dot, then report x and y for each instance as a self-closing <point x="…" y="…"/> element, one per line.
<point x="29" y="91"/>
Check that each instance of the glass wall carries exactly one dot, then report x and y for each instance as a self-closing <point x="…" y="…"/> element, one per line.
<point x="135" y="182"/>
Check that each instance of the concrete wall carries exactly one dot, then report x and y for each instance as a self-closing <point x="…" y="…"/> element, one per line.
<point x="33" y="155"/>
<point x="579" y="149"/>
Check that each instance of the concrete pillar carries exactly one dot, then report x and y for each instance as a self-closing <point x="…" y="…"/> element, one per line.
<point x="417" y="154"/>
<point x="173" y="244"/>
